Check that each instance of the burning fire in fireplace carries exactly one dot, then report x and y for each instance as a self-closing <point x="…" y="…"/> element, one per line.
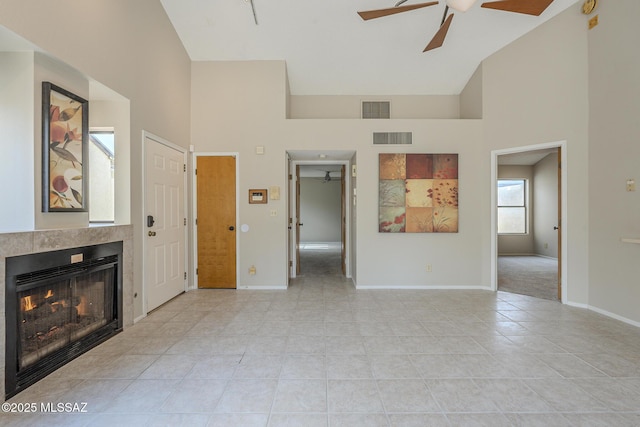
<point x="28" y="304"/>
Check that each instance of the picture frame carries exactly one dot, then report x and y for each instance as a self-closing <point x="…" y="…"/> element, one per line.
<point x="257" y="196"/>
<point x="418" y="193"/>
<point x="65" y="151"/>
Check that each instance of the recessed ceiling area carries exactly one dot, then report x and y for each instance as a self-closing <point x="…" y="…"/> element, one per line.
<point x="326" y="172"/>
<point x="330" y="50"/>
<point x="525" y="158"/>
<point x="316" y="163"/>
<point x="326" y="156"/>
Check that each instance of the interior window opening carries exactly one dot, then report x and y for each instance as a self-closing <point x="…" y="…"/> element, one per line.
<point x="101" y="176"/>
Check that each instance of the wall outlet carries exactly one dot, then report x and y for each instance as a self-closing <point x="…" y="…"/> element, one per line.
<point x="428" y="268"/>
<point x="252" y="270"/>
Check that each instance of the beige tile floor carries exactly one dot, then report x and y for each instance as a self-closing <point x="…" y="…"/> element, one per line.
<point x="323" y="354"/>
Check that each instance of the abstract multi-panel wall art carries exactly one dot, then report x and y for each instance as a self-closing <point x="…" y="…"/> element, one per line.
<point x="418" y="193"/>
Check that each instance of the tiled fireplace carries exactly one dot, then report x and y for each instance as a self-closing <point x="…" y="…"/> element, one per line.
<point x="61" y="298"/>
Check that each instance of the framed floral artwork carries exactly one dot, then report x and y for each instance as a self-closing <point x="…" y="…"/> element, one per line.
<point x="418" y="193"/>
<point x="65" y="137"/>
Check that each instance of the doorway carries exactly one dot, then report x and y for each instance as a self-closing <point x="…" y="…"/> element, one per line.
<point x="319" y="229"/>
<point x="320" y="211"/>
<point x="216" y="212"/>
<point x="527" y="234"/>
<point x="164" y="221"/>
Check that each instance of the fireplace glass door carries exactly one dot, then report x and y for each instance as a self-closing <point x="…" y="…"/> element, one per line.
<point x="58" y="311"/>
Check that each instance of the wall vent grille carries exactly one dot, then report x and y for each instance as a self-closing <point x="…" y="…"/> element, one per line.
<point x="392" y="138"/>
<point x="376" y="109"/>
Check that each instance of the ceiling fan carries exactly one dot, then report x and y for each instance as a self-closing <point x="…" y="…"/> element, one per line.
<point x="327" y="177"/>
<point x="529" y="7"/>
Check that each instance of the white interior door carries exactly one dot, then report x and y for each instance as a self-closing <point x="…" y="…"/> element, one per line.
<point x="164" y="223"/>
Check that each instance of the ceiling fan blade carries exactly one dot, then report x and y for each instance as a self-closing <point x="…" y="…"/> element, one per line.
<point x="438" y="39"/>
<point x="530" y="7"/>
<point x="379" y="13"/>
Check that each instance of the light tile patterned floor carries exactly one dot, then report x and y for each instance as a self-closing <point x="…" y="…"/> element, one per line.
<point x="324" y="354"/>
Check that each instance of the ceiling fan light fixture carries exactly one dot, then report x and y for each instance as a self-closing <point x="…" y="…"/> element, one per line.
<point x="460" y="5"/>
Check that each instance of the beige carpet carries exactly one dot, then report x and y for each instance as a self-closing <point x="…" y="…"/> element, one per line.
<point x="320" y="259"/>
<point x="529" y="275"/>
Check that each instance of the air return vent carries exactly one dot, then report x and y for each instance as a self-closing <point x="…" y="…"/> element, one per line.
<point x="376" y="109"/>
<point x="391" y="138"/>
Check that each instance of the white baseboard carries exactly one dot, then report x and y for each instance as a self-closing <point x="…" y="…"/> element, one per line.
<point x="139" y="318"/>
<point x="614" y="316"/>
<point x="527" y="254"/>
<point x="577" y="305"/>
<point x="604" y="313"/>
<point x="425" y="287"/>
<point x="262" y="288"/>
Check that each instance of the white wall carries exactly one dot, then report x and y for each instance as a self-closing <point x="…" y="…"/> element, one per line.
<point x="238" y="105"/>
<point x="545" y="206"/>
<point x="349" y="106"/>
<point x="535" y="91"/>
<point x="130" y="47"/>
<point x="471" y="97"/>
<point x="320" y="210"/>
<point x="614" y="157"/>
<point x="17" y="146"/>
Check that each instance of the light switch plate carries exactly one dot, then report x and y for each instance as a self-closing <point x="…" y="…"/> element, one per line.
<point x="631" y="185"/>
<point x="274" y="193"/>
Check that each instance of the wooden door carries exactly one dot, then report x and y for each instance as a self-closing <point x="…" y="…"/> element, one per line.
<point x="216" y="221"/>
<point x="165" y="229"/>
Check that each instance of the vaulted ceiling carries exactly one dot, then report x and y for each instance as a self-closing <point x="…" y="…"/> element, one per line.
<point x="330" y="50"/>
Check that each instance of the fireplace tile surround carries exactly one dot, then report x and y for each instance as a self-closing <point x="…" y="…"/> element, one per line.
<point x="30" y="242"/>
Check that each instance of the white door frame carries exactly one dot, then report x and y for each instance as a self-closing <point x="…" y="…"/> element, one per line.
<point x="347" y="198"/>
<point x="148" y="135"/>
<point x="194" y="206"/>
<point x="494" y="210"/>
